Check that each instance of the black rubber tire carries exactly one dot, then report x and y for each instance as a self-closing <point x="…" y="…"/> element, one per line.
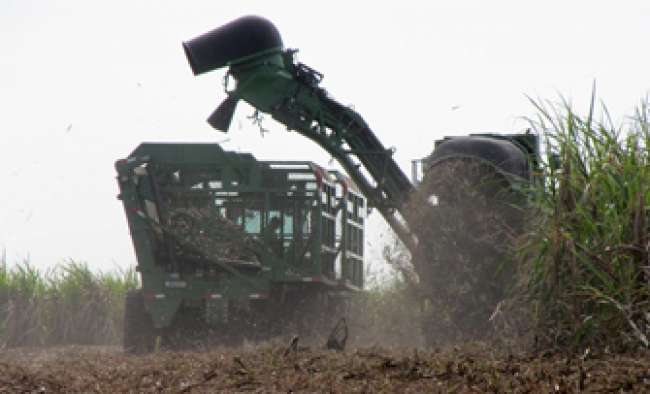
<point x="139" y="332"/>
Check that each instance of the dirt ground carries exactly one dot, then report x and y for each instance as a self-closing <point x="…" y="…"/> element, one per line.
<point x="270" y="368"/>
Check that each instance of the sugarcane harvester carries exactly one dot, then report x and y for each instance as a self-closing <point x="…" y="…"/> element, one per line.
<point x="267" y="76"/>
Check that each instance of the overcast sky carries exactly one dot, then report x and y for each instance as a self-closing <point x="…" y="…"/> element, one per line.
<point x="82" y="83"/>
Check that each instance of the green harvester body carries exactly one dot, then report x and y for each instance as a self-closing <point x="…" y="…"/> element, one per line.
<point x="317" y="248"/>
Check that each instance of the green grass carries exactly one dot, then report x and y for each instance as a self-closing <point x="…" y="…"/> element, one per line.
<point x="69" y="304"/>
<point x="586" y="255"/>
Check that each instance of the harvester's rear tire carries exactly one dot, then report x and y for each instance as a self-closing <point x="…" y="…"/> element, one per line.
<point x="139" y="332"/>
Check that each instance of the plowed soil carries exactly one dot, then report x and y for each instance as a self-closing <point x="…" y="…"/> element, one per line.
<point x="274" y="369"/>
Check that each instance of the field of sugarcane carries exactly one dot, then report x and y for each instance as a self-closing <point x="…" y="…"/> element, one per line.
<point x="575" y="318"/>
<point x="585" y="259"/>
<point x="68" y="304"/>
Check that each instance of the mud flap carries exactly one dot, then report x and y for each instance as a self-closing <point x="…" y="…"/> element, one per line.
<point x="162" y="310"/>
<point x="216" y="311"/>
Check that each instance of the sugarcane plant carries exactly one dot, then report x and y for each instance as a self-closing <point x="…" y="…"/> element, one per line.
<point x="585" y="255"/>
